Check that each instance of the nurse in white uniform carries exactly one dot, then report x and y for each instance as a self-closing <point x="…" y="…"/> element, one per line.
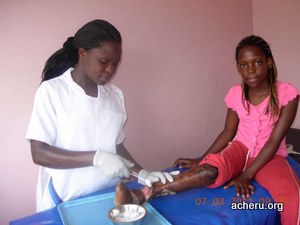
<point x="76" y="127"/>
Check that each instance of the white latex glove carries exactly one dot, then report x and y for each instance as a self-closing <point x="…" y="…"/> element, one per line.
<point x="147" y="178"/>
<point x="113" y="165"/>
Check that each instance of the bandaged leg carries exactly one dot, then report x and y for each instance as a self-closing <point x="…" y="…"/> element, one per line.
<point x="195" y="177"/>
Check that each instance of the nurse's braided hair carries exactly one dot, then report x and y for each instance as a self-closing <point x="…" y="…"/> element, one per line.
<point x="260" y="43"/>
<point x="92" y="35"/>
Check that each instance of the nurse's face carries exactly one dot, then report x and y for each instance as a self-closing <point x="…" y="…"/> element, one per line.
<point x="100" y="64"/>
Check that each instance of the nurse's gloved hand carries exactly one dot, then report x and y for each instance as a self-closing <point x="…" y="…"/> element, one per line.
<point x="147" y="178"/>
<point x="112" y="164"/>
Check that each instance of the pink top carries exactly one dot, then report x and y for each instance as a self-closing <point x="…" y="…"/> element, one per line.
<point x="255" y="128"/>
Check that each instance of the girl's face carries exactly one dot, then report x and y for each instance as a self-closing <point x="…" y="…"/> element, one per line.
<point x="253" y="66"/>
<point x="100" y="64"/>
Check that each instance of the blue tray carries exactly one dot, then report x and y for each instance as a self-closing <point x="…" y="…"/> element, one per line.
<point x="94" y="211"/>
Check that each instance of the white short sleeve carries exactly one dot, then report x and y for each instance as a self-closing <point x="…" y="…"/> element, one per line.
<point x="43" y="124"/>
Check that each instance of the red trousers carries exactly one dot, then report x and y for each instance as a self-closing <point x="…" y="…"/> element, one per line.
<point x="276" y="176"/>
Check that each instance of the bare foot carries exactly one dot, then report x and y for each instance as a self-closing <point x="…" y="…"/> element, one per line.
<point x="124" y="195"/>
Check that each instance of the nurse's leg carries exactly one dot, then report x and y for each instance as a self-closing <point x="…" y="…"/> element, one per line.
<point x="195" y="177"/>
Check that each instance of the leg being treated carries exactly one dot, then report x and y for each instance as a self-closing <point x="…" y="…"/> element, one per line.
<point x="213" y="171"/>
<point x="200" y="176"/>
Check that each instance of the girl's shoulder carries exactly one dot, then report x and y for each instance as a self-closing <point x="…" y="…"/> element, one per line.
<point x="235" y="90"/>
<point x="233" y="97"/>
<point x="236" y="87"/>
<point x="284" y="86"/>
<point x="286" y="92"/>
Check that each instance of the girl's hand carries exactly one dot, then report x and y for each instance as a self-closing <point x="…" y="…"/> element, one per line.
<point x="243" y="185"/>
<point x="186" y="163"/>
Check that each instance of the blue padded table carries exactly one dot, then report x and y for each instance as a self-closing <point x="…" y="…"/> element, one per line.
<point x="192" y="207"/>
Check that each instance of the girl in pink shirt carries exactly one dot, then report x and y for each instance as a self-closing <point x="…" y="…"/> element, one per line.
<point x="252" y="144"/>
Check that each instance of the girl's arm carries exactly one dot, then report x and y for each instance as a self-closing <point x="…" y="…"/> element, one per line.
<point x="286" y="118"/>
<point x="228" y="133"/>
<point x="57" y="158"/>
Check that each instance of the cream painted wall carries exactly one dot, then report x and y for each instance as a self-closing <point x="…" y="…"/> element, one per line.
<point x="279" y="23"/>
<point x="177" y="66"/>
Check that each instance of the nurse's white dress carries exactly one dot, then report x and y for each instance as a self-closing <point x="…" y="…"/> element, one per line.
<point x="65" y="117"/>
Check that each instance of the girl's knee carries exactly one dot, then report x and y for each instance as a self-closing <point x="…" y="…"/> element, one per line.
<point x="210" y="171"/>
